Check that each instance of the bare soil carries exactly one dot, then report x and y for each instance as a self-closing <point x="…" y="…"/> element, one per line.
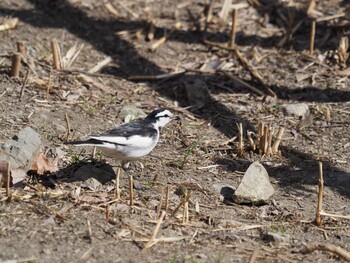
<point x="45" y="222"/>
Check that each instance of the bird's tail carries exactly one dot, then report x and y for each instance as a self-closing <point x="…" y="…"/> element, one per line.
<point x="89" y="142"/>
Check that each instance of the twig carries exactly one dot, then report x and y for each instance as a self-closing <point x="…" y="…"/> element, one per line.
<point x="85" y="257"/>
<point x="218" y="45"/>
<point x="77" y="72"/>
<point x="100" y="65"/>
<point x="55" y="54"/>
<point x="23" y="85"/>
<point x="240" y="139"/>
<point x="181" y="204"/>
<point x="157" y="77"/>
<point x="5" y="171"/>
<point x="111" y="9"/>
<point x="234" y="27"/>
<point x="68" y="125"/>
<point x="278" y="140"/>
<point x="331" y="17"/>
<point x="160" y="201"/>
<point x="340" y="252"/>
<point x="155" y="178"/>
<point x="335" y="215"/>
<point x="16" y="64"/>
<point x="155" y="232"/>
<point x="311" y="7"/>
<point x="163" y="39"/>
<point x="266" y="134"/>
<point x="253" y="256"/>
<point x="185" y="213"/>
<point x="131" y="190"/>
<point x="152" y="29"/>
<point x="117" y="184"/>
<point x="107" y="212"/>
<point x="252" y="71"/>
<point x="208" y="14"/>
<point x="269" y="141"/>
<point x="127" y="9"/>
<point x="89" y="231"/>
<point x="261" y="137"/>
<point x="318" y="219"/>
<point x="48" y="86"/>
<point x="167" y="198"/>
<point x="245" y="84"/>
<point x="312" y="37"/>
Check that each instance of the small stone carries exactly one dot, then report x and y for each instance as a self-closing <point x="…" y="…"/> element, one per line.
<point x="49" y="221"/>
<point x="275" y="237"/>
<point x="92" y="184"/>
<point x="131" y="112"/>
<point x="298" y="109"/>
<point x="22" y="149"/>
<point x="201" y="256"/>
<point x="255" y="187"/>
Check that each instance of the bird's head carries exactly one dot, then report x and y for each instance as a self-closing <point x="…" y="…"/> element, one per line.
<point x="160" y="117"/>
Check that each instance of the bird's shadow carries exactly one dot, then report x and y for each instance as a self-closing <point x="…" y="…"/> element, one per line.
<point x="78" y="172"/>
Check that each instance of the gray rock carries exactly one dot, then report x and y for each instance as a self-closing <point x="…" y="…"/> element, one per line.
<point x="298" y="109"/>
<point x="22" y="149"/>
<point x="255" y="187"/>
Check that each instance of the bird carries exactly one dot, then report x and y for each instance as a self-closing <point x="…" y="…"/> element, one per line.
<point x="130" y="141"/>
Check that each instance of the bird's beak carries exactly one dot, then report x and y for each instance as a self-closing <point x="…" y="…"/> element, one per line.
<point x="176" y="117"/>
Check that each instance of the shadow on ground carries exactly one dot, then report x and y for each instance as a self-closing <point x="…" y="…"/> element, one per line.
<point x="61" y="14"/>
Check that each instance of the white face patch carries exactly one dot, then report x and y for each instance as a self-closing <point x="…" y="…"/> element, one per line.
<point x="164" y="114"/>
<point x="163" y="118"/>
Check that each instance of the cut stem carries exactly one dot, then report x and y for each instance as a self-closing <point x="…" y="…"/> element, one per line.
<point x="16" y="65"/>
<point x="55" y="54"/>
<point x="318" y="219"/>
<point x="278" y="140"/>
<point x="117" y="184"/>
<point x="234" y="27"/>
<point x="312" y="37"/>
<point x="240" y="139"/>
<point x="131" y="190"/>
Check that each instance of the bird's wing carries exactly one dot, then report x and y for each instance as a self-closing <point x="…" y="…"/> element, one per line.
<point x="131" y="134"/>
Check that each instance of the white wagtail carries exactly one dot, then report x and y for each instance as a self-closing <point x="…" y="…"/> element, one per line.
<point x="130" y="141"/>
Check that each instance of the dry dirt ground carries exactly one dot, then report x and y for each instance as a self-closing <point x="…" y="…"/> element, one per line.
<point x="45" y="222"/>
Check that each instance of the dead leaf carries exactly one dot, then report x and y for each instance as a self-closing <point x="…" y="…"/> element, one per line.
<point x="344" y="72"/>
<point x="343" y="51"/>
<point x="18" y="175"/>
<point x="9" y="23"/>
<point x="90" y="199"/>
<point x="42" y="164"/>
